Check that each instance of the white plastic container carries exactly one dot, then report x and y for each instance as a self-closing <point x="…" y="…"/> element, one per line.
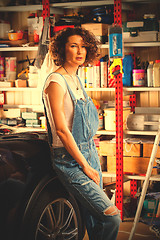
<point x="150" y="74"/>
<point x="110" y="118"/>
<point x="156" y="74"/>
<point x="33" y="80"/>
<point x="4" y="29"/>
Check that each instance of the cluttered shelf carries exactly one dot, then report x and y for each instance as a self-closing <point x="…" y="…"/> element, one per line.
<point x="57" y="7"/>
<point x="31" y="106"/>
<point x="127" y="132"/>
<point x="24" y="8"/>
<point x="127" y="89"/>
<point x="134" y="132"/>
<point x="17" y="89"/>
<point x="106" y="45"/>
<point x="141" y="89"/>
<point x="136" y="44"/>
<point x="11" y="49"/>
<point x="130" y="177"/>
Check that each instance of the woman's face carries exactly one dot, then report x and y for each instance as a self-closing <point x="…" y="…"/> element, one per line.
<point x="75" y="51"/>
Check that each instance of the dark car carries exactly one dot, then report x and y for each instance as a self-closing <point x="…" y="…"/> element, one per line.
<point x="34" y="204"/>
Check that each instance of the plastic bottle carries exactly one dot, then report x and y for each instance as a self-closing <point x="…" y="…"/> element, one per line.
<point x="150" y="74"/>
<point x="100" y="115"/>
<point x="156" y="74"/>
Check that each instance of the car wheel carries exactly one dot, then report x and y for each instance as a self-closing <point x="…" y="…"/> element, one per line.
<point x="55" y="215"/>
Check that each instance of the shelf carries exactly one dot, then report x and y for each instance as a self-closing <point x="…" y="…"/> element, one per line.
<point x="30" y="8"/>
<point x="127" y="89"/>
<point x="10" y="49"/>
<point x="35" y="48"/>
<point x="99" y="89"/>
<point x="15" y="89"/>
<point x="141" y="89"/>
<point x="40" y="89"/>
<point x="136" y="44"/>
<point x="105" y="132"/>
<point x="144" y="133"/>
<point x="131" y="177"/>
<point x="125" y="6"/>
<point x="142" y="44"/>
<point x="39" y="107"/>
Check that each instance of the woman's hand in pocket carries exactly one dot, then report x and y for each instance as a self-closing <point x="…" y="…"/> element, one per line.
<point x="92" y="173"/>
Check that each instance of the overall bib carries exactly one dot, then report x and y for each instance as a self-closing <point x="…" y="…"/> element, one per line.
<point x="100" y="226"/>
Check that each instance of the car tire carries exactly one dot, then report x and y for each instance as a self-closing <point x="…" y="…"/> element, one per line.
<point x="54" y="215"/>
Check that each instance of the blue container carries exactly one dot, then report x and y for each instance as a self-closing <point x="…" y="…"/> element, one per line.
<point x="127" y="70"/>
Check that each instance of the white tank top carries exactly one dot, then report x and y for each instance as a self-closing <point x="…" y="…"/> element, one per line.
<point x="68" y="105"/>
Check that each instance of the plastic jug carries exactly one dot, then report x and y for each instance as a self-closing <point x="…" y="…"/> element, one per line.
<point x="156" y="74"/>
<point x="150" y="74"/>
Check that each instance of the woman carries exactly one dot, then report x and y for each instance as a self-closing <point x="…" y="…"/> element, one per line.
<point x="72" y="123"/>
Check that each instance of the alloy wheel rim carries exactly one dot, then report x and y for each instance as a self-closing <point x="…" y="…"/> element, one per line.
<point x="58" y="221"/>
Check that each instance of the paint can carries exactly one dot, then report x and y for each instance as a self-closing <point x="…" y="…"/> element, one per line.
<point x="138" y="77"/>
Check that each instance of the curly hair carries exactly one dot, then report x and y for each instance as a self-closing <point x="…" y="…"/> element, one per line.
<point x="58" y="42"/>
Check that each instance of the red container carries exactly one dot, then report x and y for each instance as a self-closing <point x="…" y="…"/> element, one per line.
<point x="2" y="67"/>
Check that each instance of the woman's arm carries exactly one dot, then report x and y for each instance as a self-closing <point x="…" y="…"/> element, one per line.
<point x="56" y="99"/>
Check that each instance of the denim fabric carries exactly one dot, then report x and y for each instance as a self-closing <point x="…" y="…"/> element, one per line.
<point x="100" y="226"/>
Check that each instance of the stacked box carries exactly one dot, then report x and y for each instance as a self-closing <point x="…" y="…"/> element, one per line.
<point x="135" y="157"/>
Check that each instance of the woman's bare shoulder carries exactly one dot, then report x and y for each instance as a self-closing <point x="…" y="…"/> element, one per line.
<point x="60" y="70"/>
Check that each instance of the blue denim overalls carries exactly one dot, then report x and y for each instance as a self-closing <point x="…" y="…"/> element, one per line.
<point x="95" y="202"/>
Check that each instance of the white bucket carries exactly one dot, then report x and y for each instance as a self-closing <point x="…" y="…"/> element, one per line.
<point x="110" y="118"/>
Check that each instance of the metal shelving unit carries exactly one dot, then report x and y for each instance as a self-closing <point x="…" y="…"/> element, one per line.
<point x="19" y="89"/>
<point x="130" y="177"/>
<point x="58" y="8"/>
<point x="12" y="49"/>
<point x="35" y="48"/>
<point x="25" y="8"/>
<point x="40" y="107"/>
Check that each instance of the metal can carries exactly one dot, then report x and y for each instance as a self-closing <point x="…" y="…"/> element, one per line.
<point x="2" y="69"/>
<point x="138" y="77"/>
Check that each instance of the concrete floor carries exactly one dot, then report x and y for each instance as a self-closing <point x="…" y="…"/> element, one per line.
<point x="142" y="232"/>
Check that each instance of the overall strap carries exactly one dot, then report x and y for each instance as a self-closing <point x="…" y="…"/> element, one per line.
<point x="50" y="138"/>
<point x="69" y="89"/>
<point x="84" y="92"/>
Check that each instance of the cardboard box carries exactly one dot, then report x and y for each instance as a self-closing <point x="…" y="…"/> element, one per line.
<point x="20" y="83"/>
<point x="6" y="83"/>
<point x="98" y="29"/>
<point x="133" y="165"/>
<point x="147" y="150"/>
<point x="10" y="113"/>
<point x="107" y="148"/>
